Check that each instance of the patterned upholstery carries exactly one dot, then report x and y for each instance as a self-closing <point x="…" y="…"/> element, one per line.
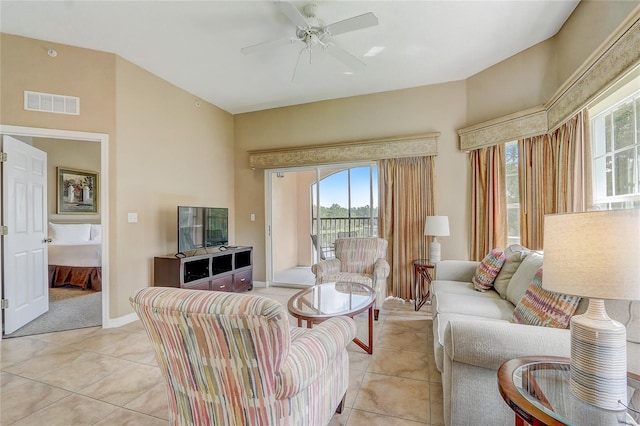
<point x="360" y="260"/>
<point x="488" y="270"/>
<point x="544" y="308"/>
<point x="231" y="359"/>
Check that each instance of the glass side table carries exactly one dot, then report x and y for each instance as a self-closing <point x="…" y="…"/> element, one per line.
<point x="537" y="389"/>
<point x="422" y="276"/>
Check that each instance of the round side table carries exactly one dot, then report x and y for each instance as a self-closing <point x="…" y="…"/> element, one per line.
<point x="537" y="389"/>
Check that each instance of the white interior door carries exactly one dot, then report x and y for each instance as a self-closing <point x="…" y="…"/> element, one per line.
<point x="25" y="256"/>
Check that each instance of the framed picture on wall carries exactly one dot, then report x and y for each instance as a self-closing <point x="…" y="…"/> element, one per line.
<point x="77" y="191"/>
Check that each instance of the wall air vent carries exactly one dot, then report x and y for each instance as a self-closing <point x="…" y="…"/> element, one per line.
<point x="46" y="102"/>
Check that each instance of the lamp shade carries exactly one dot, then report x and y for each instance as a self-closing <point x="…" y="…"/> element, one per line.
<point x="593" y="254"/>
<point x="437" y="226"/>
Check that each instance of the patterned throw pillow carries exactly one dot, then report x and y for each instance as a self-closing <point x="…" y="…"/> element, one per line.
<point x="488" y="269"/>
<point x="544" y="308"/>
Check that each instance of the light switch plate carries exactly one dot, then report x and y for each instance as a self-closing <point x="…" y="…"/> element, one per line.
<point x="132" y="217"/>
<point x="253" y="217"/>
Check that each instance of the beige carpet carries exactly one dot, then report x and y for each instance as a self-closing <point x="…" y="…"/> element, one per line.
<point x="66" y="314"/>
<point x="63" y="293"/>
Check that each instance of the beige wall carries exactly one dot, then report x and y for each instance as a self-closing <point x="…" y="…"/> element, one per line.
<point x="163" y="150"/>
<point x="170" y="152"/>
<point x="530" y="78"/>
<point x="80" y="155"/>
<point x="590" y="25"/>
<point x="515" y="84"/>
<point x="438" y="108"/>
<point x="88" y="74"/>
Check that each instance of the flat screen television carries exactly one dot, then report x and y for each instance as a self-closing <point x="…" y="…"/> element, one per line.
<point x="202" y="227"/>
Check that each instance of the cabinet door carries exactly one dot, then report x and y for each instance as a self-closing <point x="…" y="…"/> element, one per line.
<point x="223" y="283"/>
<point x="202" y="285"/>
<point x="243" y="281"/>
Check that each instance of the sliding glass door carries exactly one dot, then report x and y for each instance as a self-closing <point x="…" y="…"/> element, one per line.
<point x="345" y="204"/>
<point x="309" y="208"/>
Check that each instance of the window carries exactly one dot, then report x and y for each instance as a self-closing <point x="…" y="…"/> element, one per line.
<point x="615" y="138"/>
<point x="348" y="200"/>
<point x="513" y="193"/>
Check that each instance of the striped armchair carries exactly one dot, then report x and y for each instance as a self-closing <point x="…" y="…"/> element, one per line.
<point x="360" y="260"/>
<point x="232" y="359"/>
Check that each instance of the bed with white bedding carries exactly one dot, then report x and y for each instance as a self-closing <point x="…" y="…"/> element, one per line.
<point x="75" y="255"/>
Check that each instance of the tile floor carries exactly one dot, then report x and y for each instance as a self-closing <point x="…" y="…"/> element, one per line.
<point x="96" y="376"/>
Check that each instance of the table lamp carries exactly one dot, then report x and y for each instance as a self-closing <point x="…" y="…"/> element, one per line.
<point x="595" y="255"/>
<point x="436" y="226"/>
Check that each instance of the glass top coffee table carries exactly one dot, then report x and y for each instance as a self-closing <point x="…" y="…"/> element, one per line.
<point x="324" y="301"/>
<point x="538" y="390"/>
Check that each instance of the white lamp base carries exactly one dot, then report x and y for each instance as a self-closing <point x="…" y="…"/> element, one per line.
<point x="434" y="251"/>
<point x="598" y="358"/>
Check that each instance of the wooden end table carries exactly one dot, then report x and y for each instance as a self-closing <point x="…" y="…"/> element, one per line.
<point x="422" y="276"/>
<point x="537" y="389"/>
<point x="328" y="300"/>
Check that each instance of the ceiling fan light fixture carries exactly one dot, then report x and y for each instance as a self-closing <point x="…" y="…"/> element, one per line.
<point x="313" y="32"/>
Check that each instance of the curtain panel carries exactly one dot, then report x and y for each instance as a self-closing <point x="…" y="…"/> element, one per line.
<point x="554" y="177"/>
<point x="406" y="199"/>
<point x="488" y="200"/>
<point x="531" y="167"/>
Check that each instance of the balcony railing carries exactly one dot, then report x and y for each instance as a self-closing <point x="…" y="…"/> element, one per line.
<point x="342" y="227"/>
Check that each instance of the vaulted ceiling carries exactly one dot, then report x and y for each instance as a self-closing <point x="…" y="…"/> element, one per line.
<point x="196" y="45"/>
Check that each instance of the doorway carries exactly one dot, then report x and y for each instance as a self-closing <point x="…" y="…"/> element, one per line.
<point x="308" y="208"/>
<point x="35" y="134"/>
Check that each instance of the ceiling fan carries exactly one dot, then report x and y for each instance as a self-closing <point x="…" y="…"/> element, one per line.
<point x="311" y="31"/>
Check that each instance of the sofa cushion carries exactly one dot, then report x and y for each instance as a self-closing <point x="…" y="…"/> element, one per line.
<point x="456" y="270"/>
<point x="633" y="326"/>
<point x="459" y="287"/>
<point x="514" y="255"/>
<point x="544" y="308"/>
<point x="523" y="276"/>
<point x="627" y="313"/>
<point x="488" y="307"/>
<point x="488" y="270"/>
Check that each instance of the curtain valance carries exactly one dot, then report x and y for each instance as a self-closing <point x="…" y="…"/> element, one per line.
<point x="516" y="126"/>
<point x="613" y="61"/>
<point x="370" y="150"/>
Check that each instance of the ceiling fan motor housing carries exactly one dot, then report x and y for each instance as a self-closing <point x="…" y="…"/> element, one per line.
<point x="311" y="35"/>
<point x="314" y="32"/>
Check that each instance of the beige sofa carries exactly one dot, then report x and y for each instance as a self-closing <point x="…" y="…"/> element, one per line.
<point x="473" y="335"/>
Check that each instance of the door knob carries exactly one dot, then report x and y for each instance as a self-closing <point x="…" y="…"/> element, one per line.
<point x="47" y="240"/>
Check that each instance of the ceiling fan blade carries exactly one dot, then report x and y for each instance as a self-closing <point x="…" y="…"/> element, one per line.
<point x="292" y="13"/>
<point x="267" y="45"/>
<point x="352" y="24"/>
<point x="345" y="57"/>
<point x="301" y="57"/>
